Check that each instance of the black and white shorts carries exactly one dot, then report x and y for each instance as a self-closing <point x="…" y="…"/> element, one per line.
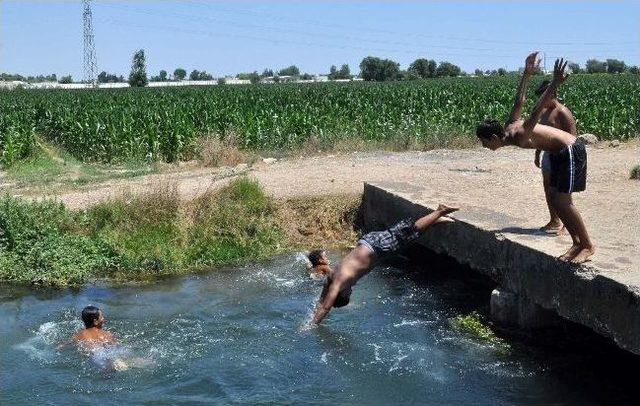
<point x="391" y="240"/>
<point x="569" y="168"/>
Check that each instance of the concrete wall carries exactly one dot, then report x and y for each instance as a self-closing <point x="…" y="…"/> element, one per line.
<point x="579" y="294"/>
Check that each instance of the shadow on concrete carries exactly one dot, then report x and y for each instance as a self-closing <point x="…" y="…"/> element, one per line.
<point x="523" y="231"/>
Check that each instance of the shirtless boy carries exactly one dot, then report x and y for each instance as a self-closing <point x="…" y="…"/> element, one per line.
<point x="568" y="161"/>
<point x="555" y="114"/>
<point x="358" y="262"/>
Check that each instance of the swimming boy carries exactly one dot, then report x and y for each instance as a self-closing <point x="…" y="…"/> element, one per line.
<point x="93" y="335"/>
<point x="358" y="262"/>
<point x="568" y="160"/>
<point x="555" y="114"/>
<point x="319" y="263"/>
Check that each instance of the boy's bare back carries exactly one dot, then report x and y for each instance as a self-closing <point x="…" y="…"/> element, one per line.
<point x="542" y="137"/>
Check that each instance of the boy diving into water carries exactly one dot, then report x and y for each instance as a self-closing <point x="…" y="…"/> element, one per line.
<point x="568" y="160"/>
<point x="357" y="263"/>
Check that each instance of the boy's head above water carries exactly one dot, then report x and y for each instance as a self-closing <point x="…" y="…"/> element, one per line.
<point x="318" y="257"/>
<point x="491" y="134"/>
<point x="92" y="317"/>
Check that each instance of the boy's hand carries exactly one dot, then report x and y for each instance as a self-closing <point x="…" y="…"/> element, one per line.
<point x="531" y="63"/>
<point x="559" y="74"/>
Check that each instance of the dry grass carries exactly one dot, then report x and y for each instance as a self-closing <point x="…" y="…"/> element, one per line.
<point x="326" y="221"/>
<point x="214" y="151"/>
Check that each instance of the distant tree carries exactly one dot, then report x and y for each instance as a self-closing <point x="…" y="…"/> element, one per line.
<point x="200" y="75"/>
<point x="478" y="72"/>
<point x="306" y="76"/>
<point x="267" y="73"/>
<point x="253" y="76"/>
<point x="615" y="66"/>
<point x="447" y="69"/>
<point x="333" y="72"/>
<point x="105" y="77"/>
<point x="222" y="81"/>
<point x="163" y="76"/>
<point x="138" y="75"/>
<point x="596" y="66"/>
<point x="574" y="67"/>
<point x="372" y="68"/>
<point x="66" y="79"/>
<point x="423" y="68"/>
<point x="179" y="74"/>
<point x="343" y="73"/>
<point x="634" y="70"/>
<point x="502" y="72"/>
<point x="289" y="71"/>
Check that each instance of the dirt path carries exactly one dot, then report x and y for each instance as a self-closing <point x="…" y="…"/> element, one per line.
<point x="505" y="181"/>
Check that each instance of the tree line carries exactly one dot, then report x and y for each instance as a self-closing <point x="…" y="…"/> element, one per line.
<point x="371" y="69"/>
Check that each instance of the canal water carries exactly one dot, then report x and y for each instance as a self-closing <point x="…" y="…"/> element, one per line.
<point x="233" y="337"/>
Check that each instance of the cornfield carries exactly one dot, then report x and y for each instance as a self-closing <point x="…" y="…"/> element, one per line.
<point x="166" y="123"/>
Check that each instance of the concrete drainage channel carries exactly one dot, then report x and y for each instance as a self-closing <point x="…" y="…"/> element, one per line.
<point x="534" y="290"/>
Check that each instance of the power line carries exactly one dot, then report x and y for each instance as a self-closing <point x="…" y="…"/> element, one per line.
<point x="399" y="47"/>
<point x="383" y="31"/>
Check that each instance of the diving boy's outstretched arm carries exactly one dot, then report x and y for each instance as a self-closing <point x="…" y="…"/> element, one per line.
<point x="559" y="76"/>
<point x="328" y="297"/>
<point x="530" y="64"/>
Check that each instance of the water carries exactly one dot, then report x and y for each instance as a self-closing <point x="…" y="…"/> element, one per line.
<point x="231" y="337"/>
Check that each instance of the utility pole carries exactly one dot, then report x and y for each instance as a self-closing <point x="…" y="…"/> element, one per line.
<point x="90" y="63"/>
<point x="544" y="63"/>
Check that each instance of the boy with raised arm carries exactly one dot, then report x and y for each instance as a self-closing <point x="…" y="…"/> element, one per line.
<point x="555" y="114"/>
<point x="358" y="262"/>
<point x="568" y="160"/>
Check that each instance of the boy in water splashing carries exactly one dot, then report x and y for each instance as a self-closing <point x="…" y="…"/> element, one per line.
<point x="93" y="335"/>
<point x="358" y="262"/>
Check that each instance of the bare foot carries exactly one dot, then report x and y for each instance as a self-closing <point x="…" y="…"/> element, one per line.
<point x="583" y="255"/>
<point x="552" y="227"/>
<point x="570" y="254"/>
<point x="444" y="209"/>
<point x="444" y="220"/>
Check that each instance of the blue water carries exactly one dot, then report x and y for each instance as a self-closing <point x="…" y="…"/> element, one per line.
<point x="232" y="337"/>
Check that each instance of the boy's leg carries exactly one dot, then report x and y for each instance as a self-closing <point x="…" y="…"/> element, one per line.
<point x="554" y="223"/>
<point x="424" y="222"/>
<point x="582" y="246"/>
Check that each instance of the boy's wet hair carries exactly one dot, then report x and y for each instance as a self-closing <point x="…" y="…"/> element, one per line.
<point x="89" y="315"/>
<point x="490" y="127"/>
<point x="315" y="257"/>
<point x="543" y="86"/>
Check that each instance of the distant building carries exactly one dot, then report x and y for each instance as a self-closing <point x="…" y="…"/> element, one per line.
<point x="13" y="84"/>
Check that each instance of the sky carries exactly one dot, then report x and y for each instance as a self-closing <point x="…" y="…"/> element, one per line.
<point x="227" y="37"/>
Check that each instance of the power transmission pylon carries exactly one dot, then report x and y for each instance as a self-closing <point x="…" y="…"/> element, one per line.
<point x="90" y="63"/>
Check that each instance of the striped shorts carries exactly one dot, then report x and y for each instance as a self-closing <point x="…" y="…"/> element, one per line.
<point x="391" y="240"/>
<point x="569" y="168"/>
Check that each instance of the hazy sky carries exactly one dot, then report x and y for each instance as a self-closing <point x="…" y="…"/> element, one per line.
<point x="226" y="37"/>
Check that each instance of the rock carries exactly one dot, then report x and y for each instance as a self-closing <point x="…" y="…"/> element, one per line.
<point x="588" y="138"/>
<point x="614" y="143"/>
<point x="269" y="161"/>
<point x="241" y="167"/>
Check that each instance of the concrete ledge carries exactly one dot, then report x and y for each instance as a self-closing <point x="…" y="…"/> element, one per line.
<point x="607" y="303"/>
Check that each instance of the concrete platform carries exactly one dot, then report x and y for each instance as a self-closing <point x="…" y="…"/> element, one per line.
<point x="603" y="294"/>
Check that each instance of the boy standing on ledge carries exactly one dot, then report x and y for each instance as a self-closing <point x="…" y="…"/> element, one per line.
<point x="568" y="161"/>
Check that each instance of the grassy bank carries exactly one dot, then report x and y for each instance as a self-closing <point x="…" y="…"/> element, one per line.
<point x="153" y="235"/>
